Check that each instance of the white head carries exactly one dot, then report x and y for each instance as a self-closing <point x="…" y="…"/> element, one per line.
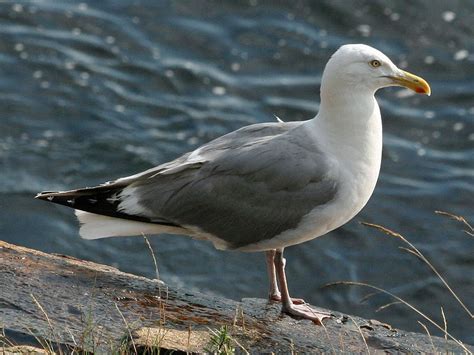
<point x="361" y="68"/>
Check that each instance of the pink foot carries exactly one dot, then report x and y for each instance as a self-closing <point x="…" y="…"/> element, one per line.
<point x="277" y="298"/>
<point x="306" y="312"/>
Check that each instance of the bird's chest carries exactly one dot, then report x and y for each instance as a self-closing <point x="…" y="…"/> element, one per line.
<point x="359" y="170"/>
<point x="357" y="187"/>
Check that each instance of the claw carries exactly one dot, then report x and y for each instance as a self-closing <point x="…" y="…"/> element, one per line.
<point x="306" y="312"/>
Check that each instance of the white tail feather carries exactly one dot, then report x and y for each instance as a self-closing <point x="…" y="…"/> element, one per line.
<point x="96" y="226"/>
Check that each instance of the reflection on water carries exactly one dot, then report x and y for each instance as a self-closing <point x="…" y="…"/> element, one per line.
<point x="96" y="90"/>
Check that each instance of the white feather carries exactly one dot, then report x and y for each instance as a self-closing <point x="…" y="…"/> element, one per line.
<point x="95" y="226"/>
<point x="130" y="203"/>
<point x="279" y="120"/>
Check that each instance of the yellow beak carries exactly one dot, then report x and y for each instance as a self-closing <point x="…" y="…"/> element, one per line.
<point x="412" y="82"/>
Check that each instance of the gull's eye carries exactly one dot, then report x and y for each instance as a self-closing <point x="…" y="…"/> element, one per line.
<point x="375" y="63"/>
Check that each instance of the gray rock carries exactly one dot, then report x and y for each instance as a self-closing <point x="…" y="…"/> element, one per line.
<point x="55" y="301"/>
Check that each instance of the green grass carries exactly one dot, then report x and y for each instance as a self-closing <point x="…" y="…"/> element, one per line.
<point x="220" y="343"/>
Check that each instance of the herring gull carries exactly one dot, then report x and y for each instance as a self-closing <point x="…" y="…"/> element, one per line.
<point x="266" y="186"/>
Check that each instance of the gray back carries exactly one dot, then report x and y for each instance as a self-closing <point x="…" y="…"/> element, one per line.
<point x="244" y="187"/>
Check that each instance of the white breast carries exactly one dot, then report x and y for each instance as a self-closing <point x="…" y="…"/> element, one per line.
<point x="356" y="148"/>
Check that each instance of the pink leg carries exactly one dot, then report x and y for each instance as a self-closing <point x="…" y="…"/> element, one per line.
<point x="274" y="292"/>
<point x="288" y="307"/>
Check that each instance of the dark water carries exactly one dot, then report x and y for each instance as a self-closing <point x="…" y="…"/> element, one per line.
<point x="101" y="89"/>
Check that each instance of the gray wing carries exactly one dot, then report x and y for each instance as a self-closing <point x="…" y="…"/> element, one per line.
<point x="244" y="187"/>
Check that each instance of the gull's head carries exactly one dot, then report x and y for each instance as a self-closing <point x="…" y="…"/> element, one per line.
<point x="361" y="67"/>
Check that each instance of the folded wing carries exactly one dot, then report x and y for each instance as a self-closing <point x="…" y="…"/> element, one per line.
<point x="241" y="188"/>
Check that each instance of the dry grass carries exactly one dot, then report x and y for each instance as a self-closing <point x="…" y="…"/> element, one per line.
<point x="468" y="231"/>
<point x="5" y="342"/>
<point x="429" y="336"/>
<point x="361" y="334"/>
<point x="221" y="341"/>
<point x="127" y="326"/>
<point x="155" y="263"/>
<point x="413" y="250"/>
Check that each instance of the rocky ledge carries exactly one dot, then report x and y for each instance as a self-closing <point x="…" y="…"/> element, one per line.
<point x="58" y="303"/>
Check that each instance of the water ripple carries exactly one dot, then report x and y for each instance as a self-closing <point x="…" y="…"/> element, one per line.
<point x="95" y="90"/>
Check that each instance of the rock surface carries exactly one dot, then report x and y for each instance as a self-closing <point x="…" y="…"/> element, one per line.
<point x="52" y="301"/>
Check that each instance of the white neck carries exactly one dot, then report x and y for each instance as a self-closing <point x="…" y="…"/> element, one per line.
<point x="349" y="126"/>
<point x="349" y="121"/>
